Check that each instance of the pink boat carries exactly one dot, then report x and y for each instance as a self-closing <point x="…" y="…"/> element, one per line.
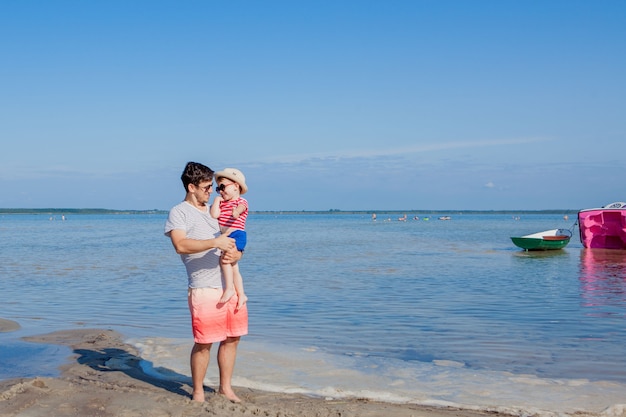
<point x="603" y="227"/>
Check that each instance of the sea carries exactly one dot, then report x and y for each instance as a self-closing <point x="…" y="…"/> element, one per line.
<point x="425" y="311"/>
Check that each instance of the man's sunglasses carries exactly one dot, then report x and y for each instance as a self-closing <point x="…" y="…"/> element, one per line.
<point x="205" y="189"/>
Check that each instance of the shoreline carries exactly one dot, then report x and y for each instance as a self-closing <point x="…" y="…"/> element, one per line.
<point x="104" y="377"/>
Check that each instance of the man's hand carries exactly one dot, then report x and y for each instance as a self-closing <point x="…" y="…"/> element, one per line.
<point x="232" y="256"/>
<point x="225" y="243"/>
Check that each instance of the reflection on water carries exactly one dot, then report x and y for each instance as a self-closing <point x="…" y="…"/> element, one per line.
<point x="541" y="253"/>
<point x="603" y="280"/>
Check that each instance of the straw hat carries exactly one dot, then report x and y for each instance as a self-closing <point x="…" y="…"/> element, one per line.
<point x="234" y="175"/>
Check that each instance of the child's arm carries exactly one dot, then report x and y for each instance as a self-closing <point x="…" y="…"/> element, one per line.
<point x="238" y="210"/>
<point x="215" y="207"/>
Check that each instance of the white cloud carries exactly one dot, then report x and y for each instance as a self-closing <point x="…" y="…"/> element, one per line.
<point x="401" y="151"/>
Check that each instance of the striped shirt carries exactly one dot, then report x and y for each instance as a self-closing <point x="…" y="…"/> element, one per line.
<point x="203" y="268"/>
<point x="226" y="218"/>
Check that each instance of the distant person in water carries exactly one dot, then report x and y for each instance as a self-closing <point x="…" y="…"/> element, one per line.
<point x="231" y="212"/>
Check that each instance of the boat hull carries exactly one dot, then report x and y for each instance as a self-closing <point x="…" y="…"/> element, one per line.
<point x="603" y="228"/>
<point x="549" y="240"/>
<point x="539" y="244"/>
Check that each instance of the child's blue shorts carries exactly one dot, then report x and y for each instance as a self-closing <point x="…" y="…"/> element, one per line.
<point x="240" y="239"/>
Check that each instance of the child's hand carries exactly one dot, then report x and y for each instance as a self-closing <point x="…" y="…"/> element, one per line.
<point x="217" y="199"/>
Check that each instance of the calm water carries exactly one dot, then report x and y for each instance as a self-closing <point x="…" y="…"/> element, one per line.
<point x="434" y="312"/>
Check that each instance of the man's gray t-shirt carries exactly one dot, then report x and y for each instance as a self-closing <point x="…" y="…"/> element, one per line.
<point x="203" y="268"/>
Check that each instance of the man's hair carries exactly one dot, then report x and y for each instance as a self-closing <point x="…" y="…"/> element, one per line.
<point x="195" y="173"/>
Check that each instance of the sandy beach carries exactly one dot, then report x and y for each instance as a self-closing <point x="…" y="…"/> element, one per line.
<point x="104" y="378"/>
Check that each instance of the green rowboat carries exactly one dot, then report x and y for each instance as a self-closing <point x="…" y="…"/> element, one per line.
<point x="547" y="240"/>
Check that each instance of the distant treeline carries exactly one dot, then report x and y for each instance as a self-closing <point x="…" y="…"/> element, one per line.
<point x="275" y="212"/>
<point x="76" y="211"/>
<point x="423" y="212"/>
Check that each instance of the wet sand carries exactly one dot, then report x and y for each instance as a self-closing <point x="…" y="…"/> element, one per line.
<point x="104" y="378"/>
<point x="8" y="325"/>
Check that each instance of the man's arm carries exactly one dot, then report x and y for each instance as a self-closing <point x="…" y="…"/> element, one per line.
<point x="183" y="245"/>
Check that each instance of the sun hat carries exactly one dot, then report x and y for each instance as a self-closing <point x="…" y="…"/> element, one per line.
<point x="234" y="175"/>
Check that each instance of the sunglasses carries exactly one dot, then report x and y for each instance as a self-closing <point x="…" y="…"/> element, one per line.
<point x="205" y="189"/>
<point x="222" y="187"/>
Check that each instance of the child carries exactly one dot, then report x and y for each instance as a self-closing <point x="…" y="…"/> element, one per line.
<point x="231" y="212"/>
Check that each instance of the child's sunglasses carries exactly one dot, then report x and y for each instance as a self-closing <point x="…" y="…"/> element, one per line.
<point x="222" y="187"/>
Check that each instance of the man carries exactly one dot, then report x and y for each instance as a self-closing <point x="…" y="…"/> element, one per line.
<point x="196" y="237"/>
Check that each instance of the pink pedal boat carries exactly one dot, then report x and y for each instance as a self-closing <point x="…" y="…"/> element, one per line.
<point x="604" y="227"/>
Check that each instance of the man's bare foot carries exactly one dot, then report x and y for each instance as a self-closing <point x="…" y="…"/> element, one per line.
<point x="228" y="294"/>
<point x="243" y="299"/>
<point x="199" y="397"/>
<point x="230" y="395"/>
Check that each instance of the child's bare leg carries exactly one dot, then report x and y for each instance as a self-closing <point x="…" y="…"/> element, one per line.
<point x="229" y="287"/>
<point x="238" y="284"/>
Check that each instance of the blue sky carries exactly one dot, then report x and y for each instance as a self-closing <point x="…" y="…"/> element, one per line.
<point x="349" y="105"/>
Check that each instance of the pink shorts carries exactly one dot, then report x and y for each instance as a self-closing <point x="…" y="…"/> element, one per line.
<point x="213" y="322"/>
